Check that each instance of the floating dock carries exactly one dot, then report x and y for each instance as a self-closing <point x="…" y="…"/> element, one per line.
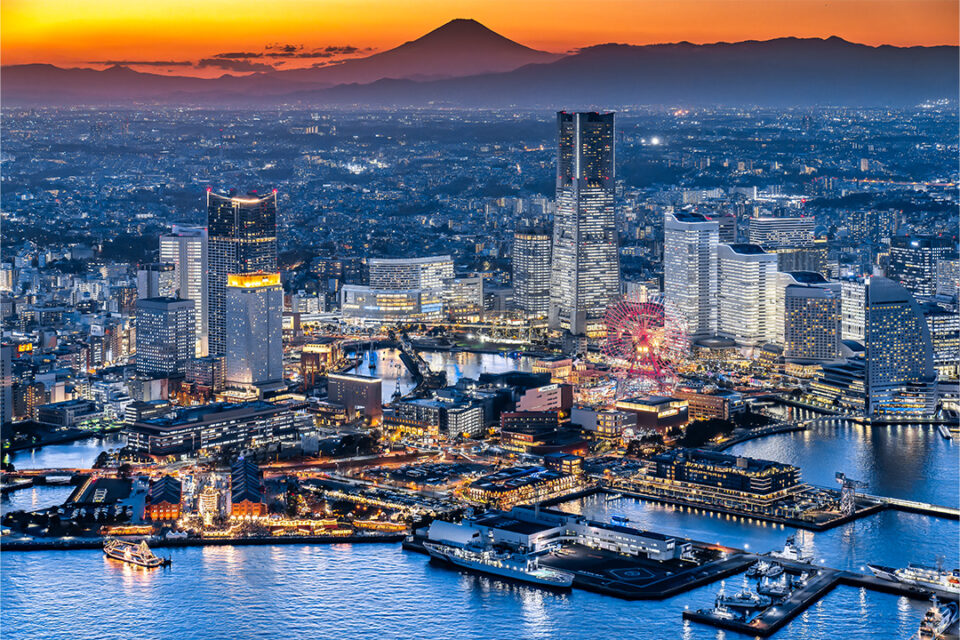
<point x="774" y="617"/>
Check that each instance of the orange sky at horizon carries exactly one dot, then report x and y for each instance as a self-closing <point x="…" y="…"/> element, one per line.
<point x="70" y="33"/>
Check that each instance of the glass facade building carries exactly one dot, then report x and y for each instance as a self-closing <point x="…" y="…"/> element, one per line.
<point x="585" y="276"/>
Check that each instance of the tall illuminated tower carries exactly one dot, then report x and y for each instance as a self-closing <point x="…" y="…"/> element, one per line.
<point x="254" y="307"/>
<point x="585" y="276"/>
<point x="747" y="299"/>
<point x="185" y="247"/>
<point x="531" y="272"/>
<point x="242" y="239"/>
<point x="690" y="242"/>
<point x="901" y="378"/>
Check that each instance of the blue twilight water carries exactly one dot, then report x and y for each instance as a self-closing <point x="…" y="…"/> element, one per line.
<point x="80" y="454"/>
<point x="359" y="592"/>
<point x="900" y="461"/>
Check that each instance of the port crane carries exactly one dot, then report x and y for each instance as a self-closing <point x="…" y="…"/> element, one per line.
<point x="848" y="493"/>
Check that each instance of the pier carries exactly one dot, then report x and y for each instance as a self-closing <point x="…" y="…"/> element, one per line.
<point x="774" y="617"/>
<point x="912" y="506"/>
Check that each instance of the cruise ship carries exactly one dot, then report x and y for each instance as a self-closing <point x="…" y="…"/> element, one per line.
<point x="920" y="576"/>
<point x="507" y="565"/>
<point x="138" y="554"/>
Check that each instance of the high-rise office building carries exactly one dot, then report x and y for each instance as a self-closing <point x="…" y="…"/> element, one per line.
<point x="747" y="299"/>
<point x="853" y="306"/>
<point x="914" y="260"/>
<point x="811" y="317"/>
<point x="531" y="272"/>
<point x="585" y="276"/>
<point x="254" y="308"/>
<point x="6" y="383"/>
<point x="948" y="277"/>
<point x="166" y="337"/>
<point x="185" y="247"/>
<point x="690" y="243"/>
<point x="156" y="280"/>
<point x="410" y="273"/>
<point x="242" y="238"/>
<point x="901" y="378"/>
<point x="945" y="336"/>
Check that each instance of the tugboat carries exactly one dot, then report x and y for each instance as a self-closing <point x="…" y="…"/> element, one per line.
<point x="920" y="576"/>
<point x="938" y="618"/>
<point x="133" y="553"/>
<point x="507" y="565"/>
<point x="743" y="600"/>
<point x="774" y="571"/>
<point x="778" y="588"/>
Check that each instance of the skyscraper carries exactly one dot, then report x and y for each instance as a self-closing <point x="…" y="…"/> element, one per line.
<point x="747" y="300"/>
<point x="242" y="239"/>
<point x="156" y="280"/>
<point x="531" y="272"/>
<point x="585" y="276"/>
<point x="165" y="335"/>
<point x="901" y="378"/>
<point x="811" y="317"/>
<point x="690" y="243"/>
<point x="914" y="260"/>
<point x="853" y="305"/>
<point x="254" y="308"/>
<point x="185" y="247"/>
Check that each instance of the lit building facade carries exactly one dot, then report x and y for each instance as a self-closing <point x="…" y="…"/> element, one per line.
<point x="771" y="232"/>
<point x="853" y="307"/>
<point x="690" y="243"/>
<point x="748" y="297"/>
<point x="391" y="305"/>
<point x="185" y="247"/>
<point x="945" y="335"/>
<point x="531" y="272"/>
<point x="242" y="238"/>
<point x="254" y="305"/>
<point x="166" y="337"/>
<point x="585" y="275"/>
<point x="410" y="273"/>
<point x="901" y="378"/>
<point x="914" y="260"/>
<point x="811" y="317"/>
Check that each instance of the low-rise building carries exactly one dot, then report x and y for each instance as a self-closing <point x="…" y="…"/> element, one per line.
<point x="163" y="500"/>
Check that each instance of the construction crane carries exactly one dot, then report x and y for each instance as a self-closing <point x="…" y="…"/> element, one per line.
<point x="848" y="493"/>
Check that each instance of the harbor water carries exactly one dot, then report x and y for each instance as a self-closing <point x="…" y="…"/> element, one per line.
<point x="363" y="591"/>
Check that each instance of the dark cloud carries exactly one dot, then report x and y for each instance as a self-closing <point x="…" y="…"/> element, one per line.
<point x="284" y="48"/>
<point x="234" y="65"/>
<point x="238" y="54"/>
<point x="144" y="63"/>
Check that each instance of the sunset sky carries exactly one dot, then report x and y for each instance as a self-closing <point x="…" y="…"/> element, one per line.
<point x="72" y="33"/>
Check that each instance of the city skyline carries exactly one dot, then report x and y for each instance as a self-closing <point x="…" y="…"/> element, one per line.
<point x="428" y="320"/>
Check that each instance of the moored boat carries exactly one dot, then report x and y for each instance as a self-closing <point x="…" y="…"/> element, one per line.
<point x="937" y="619"/>
<point x="507" y="565"/>
<point x="920" y="576"/>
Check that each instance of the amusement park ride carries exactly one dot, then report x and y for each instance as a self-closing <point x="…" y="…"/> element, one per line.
<point x="646" y="343"/>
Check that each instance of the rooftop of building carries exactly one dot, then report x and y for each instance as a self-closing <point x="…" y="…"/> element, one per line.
<point x="740" y="464"/>
<point x="807" y="277"/>
<point x="165" y="489"/>
<point x="201" y="413"/>
<point x="747" y="249"/>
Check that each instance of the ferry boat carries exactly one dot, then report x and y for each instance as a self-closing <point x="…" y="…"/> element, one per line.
<point x="723" y="613"/>
<point x="614" y="496"/>
<point x="138" y="554"/>
<point x="745" y="599"/>
<point x="774" y="571"/>
<point x="507" y="565"/>
<point x="920" y="576"/>
<point x="937" y="620"/>
<point x="792" y="551"/>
